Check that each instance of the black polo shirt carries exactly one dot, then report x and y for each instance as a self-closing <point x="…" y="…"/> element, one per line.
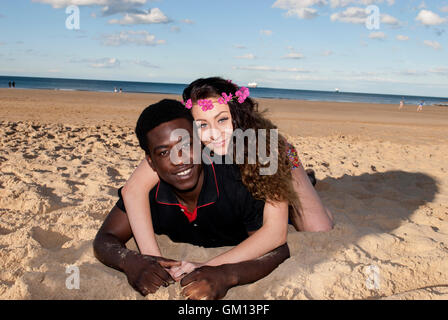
<point x="225" y="213"/>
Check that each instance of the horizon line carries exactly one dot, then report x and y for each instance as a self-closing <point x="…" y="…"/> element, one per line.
<point x="186" y="84"/>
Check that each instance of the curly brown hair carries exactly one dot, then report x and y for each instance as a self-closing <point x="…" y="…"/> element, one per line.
<point x="270" y="188"/>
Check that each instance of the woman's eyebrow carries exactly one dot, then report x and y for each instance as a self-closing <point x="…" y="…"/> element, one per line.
<point x="215" y="116"/>
<point x="220" y="114"/>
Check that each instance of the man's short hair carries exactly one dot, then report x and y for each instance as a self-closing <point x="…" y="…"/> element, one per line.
<point x="156" y="114"/>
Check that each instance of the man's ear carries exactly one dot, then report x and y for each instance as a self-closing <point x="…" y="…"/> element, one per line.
<point x="148" y="159"/>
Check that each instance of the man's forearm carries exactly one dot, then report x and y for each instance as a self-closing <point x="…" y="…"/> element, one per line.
<point x="253" y="270"/>
<point x="110" y="251"/>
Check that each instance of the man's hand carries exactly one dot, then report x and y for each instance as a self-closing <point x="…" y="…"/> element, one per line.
<point x="146" y="274"/>
<point x="213" y="282"/>
<point x="210" y="283"/>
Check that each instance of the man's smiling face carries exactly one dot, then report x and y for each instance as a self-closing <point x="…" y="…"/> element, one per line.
<point x="181" y="176"/>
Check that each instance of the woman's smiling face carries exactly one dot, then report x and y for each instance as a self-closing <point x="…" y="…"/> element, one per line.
<point x="214" y="126"/>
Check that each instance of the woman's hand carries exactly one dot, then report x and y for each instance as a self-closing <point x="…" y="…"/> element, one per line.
<point x="186" y="267"/>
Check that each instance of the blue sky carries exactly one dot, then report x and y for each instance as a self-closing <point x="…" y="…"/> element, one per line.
<point x="298" y="44"/>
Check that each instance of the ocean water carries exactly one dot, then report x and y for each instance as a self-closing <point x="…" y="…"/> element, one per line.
<point x="177" y="88"/>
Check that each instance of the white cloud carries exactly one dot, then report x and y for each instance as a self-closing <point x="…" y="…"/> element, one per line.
<point x="350" y="15"/>
<point x="109" y="7"/>
<point x="377" y="35"/>
<point x="294" y="55"/>
<point x="99" y="63"/>
<point x="308" y="77"/>
<point x="145" y="64"/>
<point x="303" y="13"/>
<point x="239" y="46"/>
<point x="388" y="19"/>
<point x="270" y="69"/>
<point x="299" y="8"/>
<point x="401" y="37"/>
<point x="433" y="44"/>
<point x="147" y="17"/>
<point x="439" y="70"/>
<point x="266" y="32"/>
<point x="340" y="3"/>
<point x="414" y="73"/>
<point x="429" y="18"/>
<point x="142" y="38"/>
<point x="248" y="56"/>
<point x="187" y="21"/>
<point x="106" y="63"/>
<point x="327" y="53"/>
<point x="345" y="3"/>
<point x="306" y="9"/>
<point x="422" y="5"/>
<point x="66" y="3"/>
<point x="444" y="9"/>
<point x="357" y="15"/>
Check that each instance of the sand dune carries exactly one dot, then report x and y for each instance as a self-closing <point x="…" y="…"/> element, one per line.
<point x="387" y="185"/>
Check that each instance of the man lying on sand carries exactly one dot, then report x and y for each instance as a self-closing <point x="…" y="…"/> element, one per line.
<point x="228" y="215"/>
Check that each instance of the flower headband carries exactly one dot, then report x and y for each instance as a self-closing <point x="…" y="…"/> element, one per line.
<point x="207" y="104"/>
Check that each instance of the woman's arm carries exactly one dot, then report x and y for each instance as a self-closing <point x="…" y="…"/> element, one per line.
<point x="214" y="282"/>
<point x="313" y="216"/>
<point x="136" y="200"/>
<point x="270" y="236"/>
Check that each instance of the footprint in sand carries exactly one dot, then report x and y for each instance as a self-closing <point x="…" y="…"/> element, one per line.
<point x="4" y="231"/>
<point x="114" y="175"/>
<point x="73" y="185"/>
<point x="49" y="239"/>
<point x="30" y="156"/>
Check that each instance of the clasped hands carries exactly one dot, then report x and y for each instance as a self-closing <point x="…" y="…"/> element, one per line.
<point x="146" y="274"/>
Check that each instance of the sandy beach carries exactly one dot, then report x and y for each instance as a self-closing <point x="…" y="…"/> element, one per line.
<point x="383" y="172"/>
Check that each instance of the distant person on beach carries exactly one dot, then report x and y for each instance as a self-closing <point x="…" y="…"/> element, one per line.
<point x="420" y="106"/>
<point x="115" y="90"/>
<point x="401" y="104"/>
<point x="121" y="90"/>
<point x="220" y="107"/>
<point x="13" y="84"/>
<point x="9" y="84"/>
<point x="228" y="214"/>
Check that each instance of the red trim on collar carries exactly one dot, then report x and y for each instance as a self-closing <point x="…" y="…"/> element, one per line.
<point x="214" y="174"/>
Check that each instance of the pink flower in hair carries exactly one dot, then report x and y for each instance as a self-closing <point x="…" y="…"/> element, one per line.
<point x="206" y="104"/>
<point x="242" y="94"/>
<point x="188" y="104"/>
<point x="226" y="97"/>
<point x="221" y="101"/>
